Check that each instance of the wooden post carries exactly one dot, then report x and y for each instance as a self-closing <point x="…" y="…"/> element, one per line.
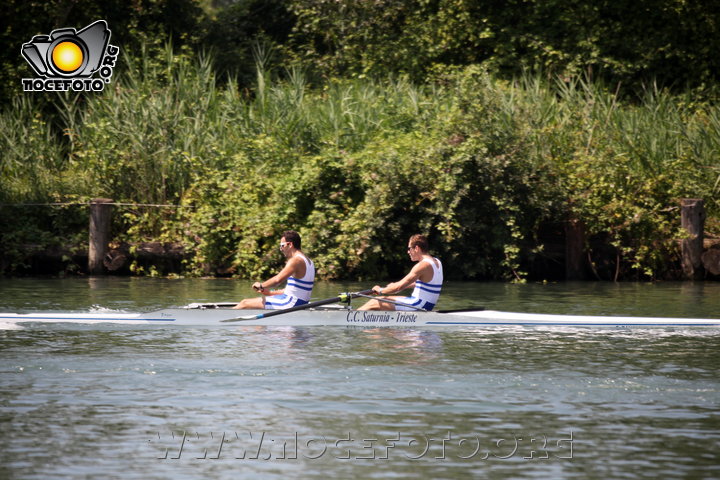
<point x="100" y="216"/>
<point x="574" y="250"/>
<point x="692" y="219"/>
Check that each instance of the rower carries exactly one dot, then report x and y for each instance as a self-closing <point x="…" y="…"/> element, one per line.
<point x="425" y="279"/>
<point x="299" y="271"/>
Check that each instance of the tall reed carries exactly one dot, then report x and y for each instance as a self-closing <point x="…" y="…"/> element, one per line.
<point x="33" y="156"/>
<point x="465" y="156"/>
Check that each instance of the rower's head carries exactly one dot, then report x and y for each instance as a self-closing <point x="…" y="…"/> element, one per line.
<point x="289" y="242"/>
<point x="417" y="247"/>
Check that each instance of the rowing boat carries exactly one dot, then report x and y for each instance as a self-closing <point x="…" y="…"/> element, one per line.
<point x="338" y="315"/>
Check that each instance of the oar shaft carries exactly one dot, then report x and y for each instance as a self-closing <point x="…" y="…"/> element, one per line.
<point x="271" y="313"/>
<point x="394" y="302"/>
<point x="304" y="306"/>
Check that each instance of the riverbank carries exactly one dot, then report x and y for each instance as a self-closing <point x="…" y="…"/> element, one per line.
<point x="499" y="174"/>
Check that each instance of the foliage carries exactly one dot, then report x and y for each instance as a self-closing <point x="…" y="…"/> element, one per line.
<point x="481" y="165"/>
<point x="624" y="167"/>
<point x="232" y="32"/>
<point x="632" y="42"/>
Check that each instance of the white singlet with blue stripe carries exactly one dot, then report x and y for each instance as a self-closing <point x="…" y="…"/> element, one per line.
<point x="425" y="295"/>
<point x="297" y="291"/>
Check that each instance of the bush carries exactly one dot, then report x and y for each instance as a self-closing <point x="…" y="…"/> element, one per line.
<point x="485" y="167"/>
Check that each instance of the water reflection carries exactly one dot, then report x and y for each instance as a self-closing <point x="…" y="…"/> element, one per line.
<point x="379" y="346"/>
<point x="402" y="346"/>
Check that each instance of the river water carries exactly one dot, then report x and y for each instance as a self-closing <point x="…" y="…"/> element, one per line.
<point x="166" y="402"/>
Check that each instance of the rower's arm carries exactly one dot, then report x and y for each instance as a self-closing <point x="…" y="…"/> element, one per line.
<point x="288" y="270"/>
<point x="407" y="282"/>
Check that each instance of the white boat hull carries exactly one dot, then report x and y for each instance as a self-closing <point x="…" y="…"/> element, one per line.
<point x="343" y="317"/>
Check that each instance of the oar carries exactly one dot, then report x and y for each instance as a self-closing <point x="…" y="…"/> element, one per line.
<point x="387" y="300"/>
<point x="461" y="310"/>
<point x="343" y="297"/>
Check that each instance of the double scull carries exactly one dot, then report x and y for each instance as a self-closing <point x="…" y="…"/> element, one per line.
<point x="338" y="315"/>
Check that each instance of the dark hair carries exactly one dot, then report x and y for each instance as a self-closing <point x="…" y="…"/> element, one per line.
<point x="420" y="241"/>
<point x="294" y="237"/>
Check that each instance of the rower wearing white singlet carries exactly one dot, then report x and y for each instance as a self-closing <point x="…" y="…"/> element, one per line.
<point x="299" y="272"/>
<point x="297" y="291"/>
<point x="425" y="294"/>
<point x="425" y="279"/>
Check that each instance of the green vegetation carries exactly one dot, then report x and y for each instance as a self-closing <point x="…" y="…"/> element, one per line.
<point x="359" y="146"/>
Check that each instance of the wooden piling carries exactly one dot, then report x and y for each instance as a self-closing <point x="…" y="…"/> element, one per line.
<point x="692" y="219"/>
<point x="575" y="250"/>
<point x="100" y="219"/>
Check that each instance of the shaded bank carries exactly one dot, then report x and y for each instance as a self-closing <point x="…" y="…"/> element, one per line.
<point x="493" y="171"/>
